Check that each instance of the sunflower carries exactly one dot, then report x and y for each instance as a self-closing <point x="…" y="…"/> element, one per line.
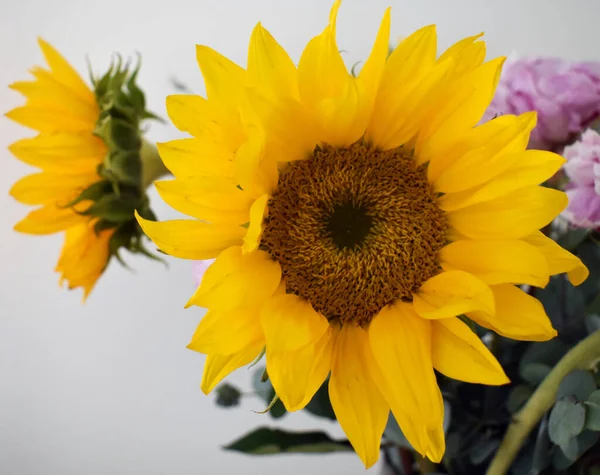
<point x="90" y="180"/>
<point x="358" y="222"/>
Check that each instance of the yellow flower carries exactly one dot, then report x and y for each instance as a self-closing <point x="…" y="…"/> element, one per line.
<point x="90" y="179"/>
<point x="354" y="219"/>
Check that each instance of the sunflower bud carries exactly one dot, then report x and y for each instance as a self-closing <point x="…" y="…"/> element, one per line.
<point x="92" y="158"/>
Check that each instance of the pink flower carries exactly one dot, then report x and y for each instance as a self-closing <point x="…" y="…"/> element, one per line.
<point x="565" y="95"/>
<point x="583" y="170"/>
<point x="199" y="268"/>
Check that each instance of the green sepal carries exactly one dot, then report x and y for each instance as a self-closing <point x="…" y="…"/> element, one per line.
<point x="119" y="190"/>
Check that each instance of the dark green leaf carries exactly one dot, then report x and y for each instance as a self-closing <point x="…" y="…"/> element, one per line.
<point x="518" y="397"/>
<point x="547" y="352"/>
<point x="573" y="238"/>
<point x="567" y="420"/>
<point x="483" y="450"/>
<point x="320" y="405"/>
<point x="592" y="322"/>
<point x="560" y="461"/>
<point x="542" y="448"/>
<point x="228" y="395"/>
<point x="570" y="449"/>
<point x="535" y="373"/>
<point x="586" y="440"/>
<point x="264" y="441"/>
<point x="592" y="416"/>
<point x="579" y="384"/>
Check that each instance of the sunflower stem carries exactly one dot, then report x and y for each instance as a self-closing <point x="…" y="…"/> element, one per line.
<point x="584" y="355"/>
<point x="152" y="166"/>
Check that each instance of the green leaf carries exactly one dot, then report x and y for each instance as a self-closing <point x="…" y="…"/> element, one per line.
<point x="592" y="415"/>
<point x="579" y="384"/>
<point x="560" y="461"/>
<point x="546" y="352"/>
<point x="592" y="322"/>
<point x="482" y="450"/>
<point x="542" y="447"/>
<point x="517" y="398"/>
<point x="567" y="420"/>
<point x="586" y="440"/>
<point x="264" y="440"/>
<point x="535" y="373"/>
<point x="573" y="238"/>
<point x="228" y="395"/>
<point x="320" y="405"/>
<point x="570" y="449"/>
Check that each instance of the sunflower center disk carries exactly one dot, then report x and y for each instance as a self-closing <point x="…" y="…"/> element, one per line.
<point x="354" y="230"/>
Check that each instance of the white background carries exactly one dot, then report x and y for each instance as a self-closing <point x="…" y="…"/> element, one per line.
<point x="108" y="387"/>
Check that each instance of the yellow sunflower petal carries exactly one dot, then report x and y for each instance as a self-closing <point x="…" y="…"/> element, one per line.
<point x="290" y="323"/>
<point x="49" y="219"/>
<point x="370" y="75"/>
<point x="401" y="344"/>
<point x="452" y="293"/>
<point x="205" y="119"/>
<point x="469" y="171"/>
<point x="63" y="153"/>
<point x="48" y="120"/>
<point x="237" y="279"/>
<point x="497" y="262"/>
<point x="290" y="132"/>
<point x="224" y="80"/>
<point x="466" y="54"/>
<point x="559" y="259"/>
<point x="269" y="65"/>
<point x="197" y="158"/>
<point x="408" y="76"/>
<point x="530" y="167"/>
<point x="258" y="212"/>
<point x="64" y="72"/>
<point x="513" y="215"/>
<point x="296" y="375"/>
<point x="191" y="239"/>
<point x="42" y="188"/>
<point x="518" y="315"/>
<point x="359" y="407"/>
<point x="215" y="199"/>
<point x="460" y="106"/>
<point x="255" y="171"/>
<point x="225" y="333"/>
<point x="47" y="90"/>
<point x="328" y="90"/>
<point x="219" y="366"/>
<point x="458" y="353"/>
<point x="84" y="256"/>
